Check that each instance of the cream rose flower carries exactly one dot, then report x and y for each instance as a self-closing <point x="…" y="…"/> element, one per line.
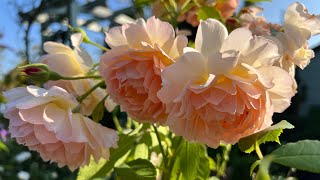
<point x="132" y="68"/>
<point x="298" y="27"/>
<point x="43" y="120"/>
<point x="71" y="63"/>
<point x="226" y="88"/>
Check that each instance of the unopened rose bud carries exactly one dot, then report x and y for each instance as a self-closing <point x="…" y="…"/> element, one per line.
<point x="39" y="72"/>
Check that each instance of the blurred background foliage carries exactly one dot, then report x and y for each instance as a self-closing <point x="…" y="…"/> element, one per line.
<point x="46" y="20"/>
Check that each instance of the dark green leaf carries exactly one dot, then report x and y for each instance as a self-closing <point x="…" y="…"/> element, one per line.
<point x="303" y="155"/>
<point x="124" y="145"/>
<point x="206" y="12"/>
<point x="98" y="111"/>
<point x="270" y="134"/>
<point x="140" y="169"/>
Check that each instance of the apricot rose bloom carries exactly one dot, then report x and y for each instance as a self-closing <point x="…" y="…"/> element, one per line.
<point x="72" y="63"/>
<point x="226" y="88"/>
<point x="43" y="120"/>
<point x="132" y="67"/>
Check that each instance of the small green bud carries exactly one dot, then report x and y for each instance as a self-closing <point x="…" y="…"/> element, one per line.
<point x="39" y="72"/>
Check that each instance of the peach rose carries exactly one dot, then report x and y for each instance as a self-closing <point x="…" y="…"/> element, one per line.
<point x="71" y="63"/>
<point x="226" y="88"/>
<point x="43" y="120"/>
<point x="227" y="7"/>
<point x="132" y="68"/>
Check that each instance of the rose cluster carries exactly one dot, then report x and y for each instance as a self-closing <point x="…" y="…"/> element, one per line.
<point x="226" y="87"/>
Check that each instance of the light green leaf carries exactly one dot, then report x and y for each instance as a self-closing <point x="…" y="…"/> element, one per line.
<point x="270" y="134"/>
<point x="124" y="145"/>
<point x="142" y="3"/>
<point x="141" y="151"/>
<point x="140" y="169"/>
<point x="263" y="173"/>
<point x="87" y="172"/>
<point x="2" y="99"/>
<point x="253" y="166"/>
<point x="98" y="111"/>
<point x="191" y="162"/>
<point x="3" y="147"/>
<point x="303" y="155"/>
<point x="206" y="12"/>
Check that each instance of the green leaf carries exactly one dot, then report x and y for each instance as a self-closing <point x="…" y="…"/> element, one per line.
<point x="2" y="99"/>
<point x="140" y="169"/>
<point x="257" y="1"/>
<point x="253" y="166"/>
<point x="87" y="172"/>
<point x="141" y="151"/>
<point x="191" y="162"/>
<point x="303" y="155"/>
<point x="270" y="134"/>
<point x="3" y="147"/>
<point x="98" y="111"/>
<point x="142" y="3"/>
<point x="206" y="12"/>
<point x="124" y="145"/>
<point x="263" y="173"/>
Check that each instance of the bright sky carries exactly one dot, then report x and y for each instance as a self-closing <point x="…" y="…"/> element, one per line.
<point x="13" y="36"/>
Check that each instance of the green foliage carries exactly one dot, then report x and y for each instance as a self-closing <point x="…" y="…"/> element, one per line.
<point x="124" y="145"/>
<point x="139" y="169"/>
<point x="2" y="99"/>
<point x="98" y="111"/>
<point x="263" y="173"/>
<point x="3" y="147"/>
<point x="206" y="12"/>
<point x="89" y="171"/>
<point x="191" y="162"/>
<point x="303" y="155"/>
<point x="142" y="3"/>
<point x="270" y="134"/>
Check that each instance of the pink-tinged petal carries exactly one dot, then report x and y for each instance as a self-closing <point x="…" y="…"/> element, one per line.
<point x="43" y="135"/>
<point x="210" y="36"/>
<point x="283" y="89"/>
<point x="135" y="35"/>
<point x="115" y="37"/>
<point x="160" y="33"/>
<point x="33" y="115"/>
